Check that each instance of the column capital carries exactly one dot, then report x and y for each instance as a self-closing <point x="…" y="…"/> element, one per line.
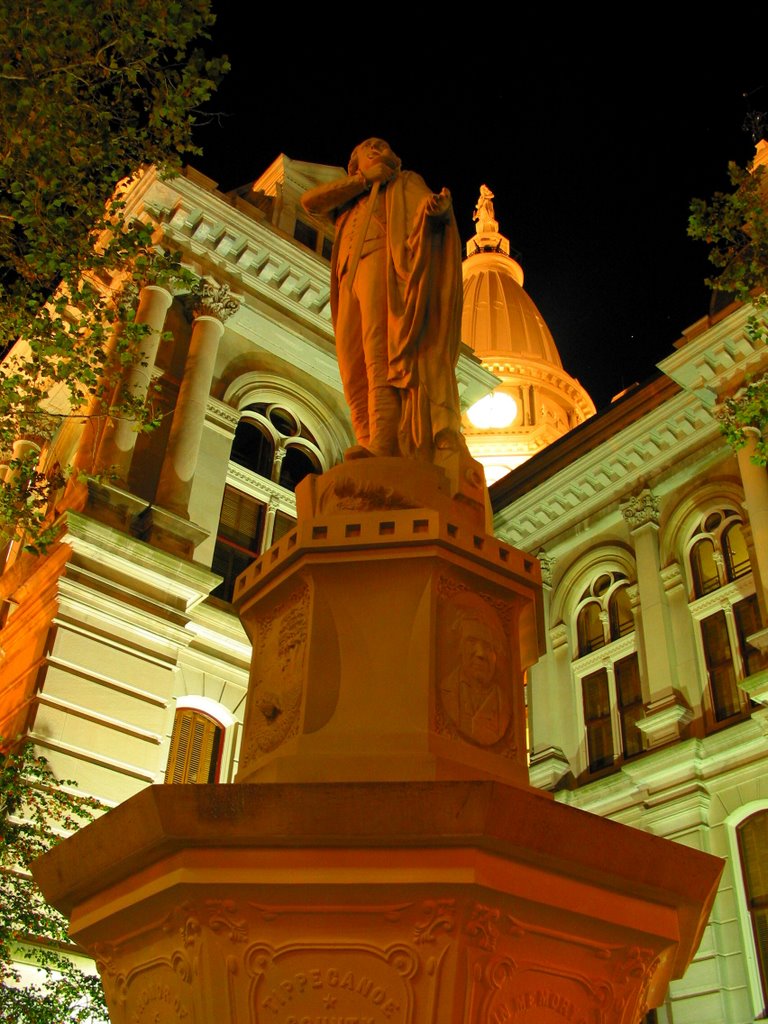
<point x="641" y="510"/>
<point x="547" y="563"/>
<point x="213" y="300"/>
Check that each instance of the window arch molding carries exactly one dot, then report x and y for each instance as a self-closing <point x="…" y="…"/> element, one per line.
<point x="684" y="518"/>
<point x="714" y="557"/>
<point x="605" y="668"/>
<point x="568" y="593"/>
<point x="737" y="818"/>
<point x="327" y="428"/>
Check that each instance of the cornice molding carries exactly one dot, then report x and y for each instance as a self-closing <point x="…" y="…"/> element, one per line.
<point x="604" y="474"/>
<point x="714" y="364"/>
<point x="221" y="240"/>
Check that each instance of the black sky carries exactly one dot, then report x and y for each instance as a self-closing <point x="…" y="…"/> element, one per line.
<point x="593" y="145"/>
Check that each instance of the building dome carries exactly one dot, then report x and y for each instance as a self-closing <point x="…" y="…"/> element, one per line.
<point x="500" y="320"/>
<point x="536" y="400"/>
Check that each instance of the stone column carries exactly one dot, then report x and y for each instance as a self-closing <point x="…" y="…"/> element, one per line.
<point x="547" y="764"/>
<point x="277" y="463"/>
<point x="213" y="307"/>
<point x="665" y="710"/>
<point x="269" y="523"/>
<point x="119" y="440"/>
<point x="755" y="481"/>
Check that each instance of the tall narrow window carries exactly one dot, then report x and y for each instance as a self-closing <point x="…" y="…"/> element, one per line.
<point x="753" y="848"/>
<point x="608" y="672"/>
<point x="704" y="568"/>
<point x="597" y="718"/>
<point x="620" y="613"/>
<point x="736" y="554"/>
<point x="719" y="660"/>
<point x="238" y="543"/>
<point x="747" y="617"/>
<point x="590" y="628"/>
<point x="630" y="701"/>
<point x="195" y="748"/>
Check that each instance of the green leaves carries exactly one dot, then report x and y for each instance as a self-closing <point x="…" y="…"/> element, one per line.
<point x="735" y="227"/>
<point x="89" y="93"/>
<point x="748" y="412"/>
<point x="36" y="812"/>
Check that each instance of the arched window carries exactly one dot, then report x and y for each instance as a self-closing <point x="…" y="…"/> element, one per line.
<point x="195" y="748"/>
<point x="608" y="672"/>
<point x="752" y="837"/>
<point x="276" y="450"/>
<point x="726" y="608"/>
<point x="253" y="447"/>
<point x="298" y="462"/>
<point x="718" y="551"/>
<point x="735" y="551"/>
<point x="703" y="567"/>
<point x="620" y="616"/>
<point x="590" y="627"/>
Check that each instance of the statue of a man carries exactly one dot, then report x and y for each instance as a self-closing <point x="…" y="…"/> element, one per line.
<point x="396" y="294"/>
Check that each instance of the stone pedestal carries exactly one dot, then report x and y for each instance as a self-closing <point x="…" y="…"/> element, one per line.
<point x="381" y="858"/>
<point x="377" y="902"/>
<point x="371" y="623"/>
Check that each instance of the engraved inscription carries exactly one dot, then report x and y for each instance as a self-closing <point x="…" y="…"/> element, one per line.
<point x="540" y="999"/>
<point x="336" y="984"/>
<point x="328" y="985"/>
<point x="158" y="1004"/>
<point x="543" y="996"/>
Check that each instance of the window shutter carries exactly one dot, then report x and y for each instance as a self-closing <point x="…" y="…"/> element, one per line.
<point x="195" y="743"/>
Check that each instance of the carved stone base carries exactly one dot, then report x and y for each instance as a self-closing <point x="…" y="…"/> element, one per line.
<point x="390" y="635"/>
<point x="374" y="903"/>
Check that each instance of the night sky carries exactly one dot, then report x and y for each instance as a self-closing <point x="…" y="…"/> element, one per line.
<point x="593" y="149"/>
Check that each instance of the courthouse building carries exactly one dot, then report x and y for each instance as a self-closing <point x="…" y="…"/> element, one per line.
<point x="124" y="660"/>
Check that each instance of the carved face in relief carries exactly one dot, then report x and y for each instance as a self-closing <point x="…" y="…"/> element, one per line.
<point x="474" y="666"/>
<point x="477" y="651"/>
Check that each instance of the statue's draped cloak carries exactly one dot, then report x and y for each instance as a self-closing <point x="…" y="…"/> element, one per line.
<point x="424" y="296"/>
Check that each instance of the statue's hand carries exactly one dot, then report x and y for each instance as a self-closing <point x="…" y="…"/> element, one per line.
<point x="380" y="172"/>
<point x="439" y="204"/>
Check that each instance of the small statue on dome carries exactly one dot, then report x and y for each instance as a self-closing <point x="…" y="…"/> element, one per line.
<point x="484" y="213"/>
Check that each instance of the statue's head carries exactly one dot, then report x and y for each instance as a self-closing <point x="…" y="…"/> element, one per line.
<point x="371" y="152"/>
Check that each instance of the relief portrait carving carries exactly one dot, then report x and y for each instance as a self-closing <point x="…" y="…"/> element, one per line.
<point x="277" y="686"/>
<point x="473" y="689"/>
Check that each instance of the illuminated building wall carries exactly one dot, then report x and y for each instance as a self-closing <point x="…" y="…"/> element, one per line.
<point x="124" y="661"/>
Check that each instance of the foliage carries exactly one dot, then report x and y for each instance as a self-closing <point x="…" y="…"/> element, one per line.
<point x="735" y="226"/>
<point x="748" y="411"/>
<point x="36" y="811"/>
<point x="88" y="94"/>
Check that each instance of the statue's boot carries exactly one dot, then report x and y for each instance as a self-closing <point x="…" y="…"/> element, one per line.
<point x="384" y="410"/>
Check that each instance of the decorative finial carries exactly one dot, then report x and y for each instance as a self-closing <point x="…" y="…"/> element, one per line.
<point x="487" y="237"/>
